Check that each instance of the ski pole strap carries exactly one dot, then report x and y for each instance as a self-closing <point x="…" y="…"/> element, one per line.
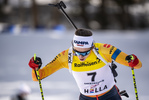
<point x="134" y="81"/>
<point x="99" y="56"/>
<point x="70" y="58"/>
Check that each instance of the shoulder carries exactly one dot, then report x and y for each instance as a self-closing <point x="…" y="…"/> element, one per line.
<point x="62" y="56"/>
<point x="106" y="49"/>
<point x="97" y="45"/>
<point x="103" y="47"/>
<point x="64" y="53"/>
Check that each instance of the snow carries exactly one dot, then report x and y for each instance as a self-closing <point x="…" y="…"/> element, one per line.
<point x="16" y="50"/>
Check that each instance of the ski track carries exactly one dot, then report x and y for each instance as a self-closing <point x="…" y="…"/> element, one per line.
<point x="17" y="49"/>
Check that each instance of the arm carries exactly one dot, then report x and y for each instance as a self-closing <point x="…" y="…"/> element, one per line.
<point x="60" y="61"/>
<point x="110" y="52"/>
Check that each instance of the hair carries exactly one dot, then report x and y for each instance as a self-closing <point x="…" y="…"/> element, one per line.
<point x="83" y="32"/>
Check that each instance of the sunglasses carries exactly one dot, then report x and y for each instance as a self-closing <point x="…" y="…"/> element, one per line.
<point x="77" y="53"/>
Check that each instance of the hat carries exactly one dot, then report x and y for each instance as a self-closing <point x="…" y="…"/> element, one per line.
<point x="82" y="41"/>
<point x="24" y="88"/>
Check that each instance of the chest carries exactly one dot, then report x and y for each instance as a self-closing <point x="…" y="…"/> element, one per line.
<point x="92" y="62"/>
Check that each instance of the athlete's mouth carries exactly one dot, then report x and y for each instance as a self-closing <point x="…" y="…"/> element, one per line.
<point x="82" y="59"/>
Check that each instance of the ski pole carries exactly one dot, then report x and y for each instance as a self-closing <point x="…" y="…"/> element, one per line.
<point x="129" y="58"/>
<point x="38" y="77"/>
<point x="134" y="81"/>
<point x="60" y="6"/>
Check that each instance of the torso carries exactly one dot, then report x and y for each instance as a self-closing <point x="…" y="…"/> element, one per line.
<point x="93" y="76"/>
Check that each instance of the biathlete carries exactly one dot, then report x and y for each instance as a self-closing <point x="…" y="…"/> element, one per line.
<point x="89" y="63"/>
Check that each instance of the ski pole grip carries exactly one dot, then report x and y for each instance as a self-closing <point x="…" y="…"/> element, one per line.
<point x="34" y="56"/>
<point x="129" y="58"/>
<point x="132" y="58"/>
<point x="35" y="59"/>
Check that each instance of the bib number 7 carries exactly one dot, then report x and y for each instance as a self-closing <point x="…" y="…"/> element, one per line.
<point x="93" y="74"/>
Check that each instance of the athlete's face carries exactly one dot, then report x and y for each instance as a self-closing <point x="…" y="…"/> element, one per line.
<point x="82" y="50"/>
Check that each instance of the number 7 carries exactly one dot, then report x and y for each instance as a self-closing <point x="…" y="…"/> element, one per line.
<point x="93" y="75"/>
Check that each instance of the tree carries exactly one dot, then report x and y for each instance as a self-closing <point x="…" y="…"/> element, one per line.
<point x="35" y="14"/>
<point x="3" y="12"/>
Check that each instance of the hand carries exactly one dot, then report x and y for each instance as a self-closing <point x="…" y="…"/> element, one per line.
<point x="35" y="64"/>
<point x="132" y="60"/>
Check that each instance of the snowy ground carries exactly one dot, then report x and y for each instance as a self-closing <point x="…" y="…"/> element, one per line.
<point x="17" y="49"/>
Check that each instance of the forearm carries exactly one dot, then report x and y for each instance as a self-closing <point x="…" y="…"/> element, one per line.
<point x="46" y="71"/>
<point x="60" y="61"/>
<point x="112" y="52"/>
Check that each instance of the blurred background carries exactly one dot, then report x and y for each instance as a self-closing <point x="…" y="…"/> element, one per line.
<point x="31" y="26"/>
<point x="92" y="14"/>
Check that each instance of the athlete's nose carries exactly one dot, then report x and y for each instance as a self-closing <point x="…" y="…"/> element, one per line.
<point x="81" y="56"/>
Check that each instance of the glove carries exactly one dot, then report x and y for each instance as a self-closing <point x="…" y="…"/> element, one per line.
<point x="35" y="64"/>
<point x="132" y="60"/>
